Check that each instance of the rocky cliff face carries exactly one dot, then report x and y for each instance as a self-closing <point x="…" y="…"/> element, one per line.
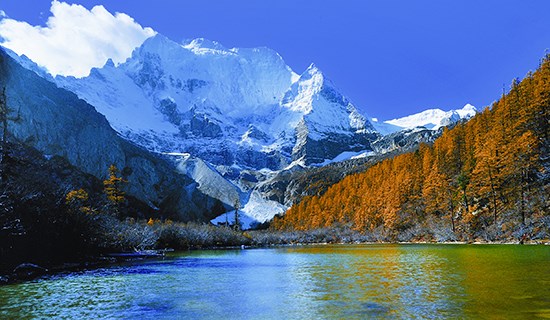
<point x="290" y="186"/>
<point x="57" y="122"/>
<point x="405" y="140"/>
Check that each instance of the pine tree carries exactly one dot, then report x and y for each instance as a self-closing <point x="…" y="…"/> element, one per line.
<point x="113" y="189"/>
<point x="237" y="206"/>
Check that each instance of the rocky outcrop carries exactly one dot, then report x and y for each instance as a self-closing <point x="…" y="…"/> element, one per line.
<point x="290" y="186"/>
<point x="317" y="151"/>
<point x="28" y="271"/>
<point x="405" y="140"/>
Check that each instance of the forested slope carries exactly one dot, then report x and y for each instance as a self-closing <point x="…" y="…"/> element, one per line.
<point x="485" y="179"/>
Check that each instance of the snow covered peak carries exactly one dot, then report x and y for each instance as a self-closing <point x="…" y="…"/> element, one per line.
<point x="432" y="119"/>
<point x="314" y="78"/>
<point x="427" y="118"/>
<point x="242" y="107"/>
<point x="310" y="87"/>
<point x="318" y="105"/>
<point x="301" y="94"/>
<point x="205" y="46"/>
<point x="313" y="70"/>
<point x="158" y="44"/>
<point x="467" y="111"/>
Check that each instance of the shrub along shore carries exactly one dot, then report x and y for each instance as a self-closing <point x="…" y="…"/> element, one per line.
<point x="105" y="239"/>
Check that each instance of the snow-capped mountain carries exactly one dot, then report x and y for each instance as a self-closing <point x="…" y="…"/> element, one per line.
<point x="231" y="107"/>
<point x="432" y="119"/>
<point x="239" y="114"/>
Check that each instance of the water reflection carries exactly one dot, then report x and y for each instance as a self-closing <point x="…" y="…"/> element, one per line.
<point x="323" y="282"/>
<point x="382" y="282"/>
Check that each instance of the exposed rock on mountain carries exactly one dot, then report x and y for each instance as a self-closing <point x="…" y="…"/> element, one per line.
<point x="57" y="122"/>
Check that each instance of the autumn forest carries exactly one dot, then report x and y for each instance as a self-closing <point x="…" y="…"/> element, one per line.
<point x="484" y="179"/>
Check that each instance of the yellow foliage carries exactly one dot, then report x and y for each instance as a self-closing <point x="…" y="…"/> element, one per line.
<point x="79" y="195"/>
<point x="113" y="185"/>
<point x="87" y="210"/>
<point x="477" y="169"/>
<point x="77" y="199"/>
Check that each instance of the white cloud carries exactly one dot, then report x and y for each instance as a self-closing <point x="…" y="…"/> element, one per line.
<point x="2" y="14"/>
<point x="75" y="39"/>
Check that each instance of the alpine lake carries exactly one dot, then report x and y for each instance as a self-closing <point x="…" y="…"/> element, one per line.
<point x="371" y="281"/>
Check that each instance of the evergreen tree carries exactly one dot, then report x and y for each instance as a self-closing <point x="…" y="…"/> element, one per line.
<point x="237" y="224"/>
<point x="113" y="190"/>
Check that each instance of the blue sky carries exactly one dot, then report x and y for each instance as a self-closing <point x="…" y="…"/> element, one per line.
<point x="391" y="58"/>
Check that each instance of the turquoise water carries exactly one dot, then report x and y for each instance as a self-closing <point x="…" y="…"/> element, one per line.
<point x="312" y="282"/>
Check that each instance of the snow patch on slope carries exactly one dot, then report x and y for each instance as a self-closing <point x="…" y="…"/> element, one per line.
<point x="257" y="210"/>
<point x="346" y="155"/>
<point x="245" y="220"/>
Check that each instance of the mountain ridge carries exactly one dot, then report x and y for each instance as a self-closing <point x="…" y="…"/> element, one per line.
<point x="216" y="94"/>
<point x="432" y="119"/>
